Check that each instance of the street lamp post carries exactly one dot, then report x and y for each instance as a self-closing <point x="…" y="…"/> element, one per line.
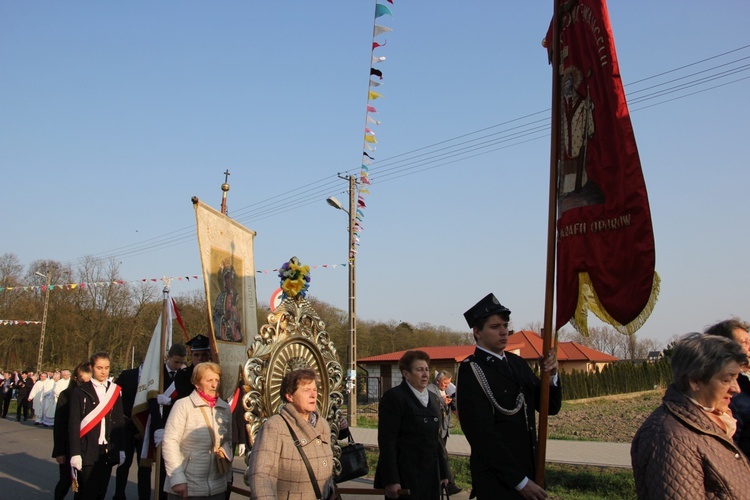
<point x="44" y="318"/>
<point x="352" y="348"/>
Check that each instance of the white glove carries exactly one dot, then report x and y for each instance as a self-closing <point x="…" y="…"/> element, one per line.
<point x="163" y="400"/>
<point x="122" y="457"/>
<point x="76" y="462"/>
<point x="240" y="450"/>
<point x="158" y="436"/>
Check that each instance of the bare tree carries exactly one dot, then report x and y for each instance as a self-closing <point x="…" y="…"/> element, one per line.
<point x="534" y="326"/>
<point x="103" y="303"/>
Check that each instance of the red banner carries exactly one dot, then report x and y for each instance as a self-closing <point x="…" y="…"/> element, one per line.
<point x="605" y="241"/>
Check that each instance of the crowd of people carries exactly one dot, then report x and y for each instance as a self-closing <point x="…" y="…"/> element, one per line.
<point x="95" y="430"/>
<point x="695" y="445"/>
<point x="36" y="394"/>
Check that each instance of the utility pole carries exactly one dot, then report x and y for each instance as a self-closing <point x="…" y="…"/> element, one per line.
<point x="352" y="261"/>
<point x="352" y="409"/>
<point x="44" y="317"/>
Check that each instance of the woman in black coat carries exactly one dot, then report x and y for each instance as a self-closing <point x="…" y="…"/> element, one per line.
<point x="60" y="446"/>
<point x="412" y="455"/>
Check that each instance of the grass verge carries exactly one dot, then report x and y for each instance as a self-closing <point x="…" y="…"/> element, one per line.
<point x="564" y="482"/>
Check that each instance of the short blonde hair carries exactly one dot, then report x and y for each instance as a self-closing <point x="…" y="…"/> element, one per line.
<point x="201" y="368"/>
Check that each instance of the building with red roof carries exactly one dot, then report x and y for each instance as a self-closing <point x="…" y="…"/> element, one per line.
<point x="383" y="373"/>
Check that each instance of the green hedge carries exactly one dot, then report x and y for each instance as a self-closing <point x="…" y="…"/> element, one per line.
<point x="616" y="378"/>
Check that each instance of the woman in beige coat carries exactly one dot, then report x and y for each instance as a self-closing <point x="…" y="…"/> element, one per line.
<point x="198" y="427"/>
<point x="275" y="467"/>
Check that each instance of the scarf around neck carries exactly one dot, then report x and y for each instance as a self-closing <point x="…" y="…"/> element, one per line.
<point x="211" y="400"/>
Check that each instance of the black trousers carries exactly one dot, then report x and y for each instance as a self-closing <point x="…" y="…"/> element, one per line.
<point x="6" y="402"/>
<point x="93" y="480"/>
<point x="23" y="403"/>
<point x="132" y="450"/>
<point x="63" y="484"/>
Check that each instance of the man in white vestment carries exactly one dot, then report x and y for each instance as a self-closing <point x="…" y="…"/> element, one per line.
<point x="35" y="396"/>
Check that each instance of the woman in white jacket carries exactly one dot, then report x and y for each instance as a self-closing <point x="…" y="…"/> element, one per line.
<point x="197" y="434"/>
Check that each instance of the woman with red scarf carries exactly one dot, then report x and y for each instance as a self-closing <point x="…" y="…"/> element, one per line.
<point x="197" y="438"/>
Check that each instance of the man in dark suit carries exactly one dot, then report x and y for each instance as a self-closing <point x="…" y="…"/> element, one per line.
<point x="497" y="396"/>
<point x="132" y="440"/>
<point x="95" y="446"/>
<point x="7" y="392"/>
<point x="160" y="406"/>
<point x="412" y="455"/>
<point x="23" y="389"/>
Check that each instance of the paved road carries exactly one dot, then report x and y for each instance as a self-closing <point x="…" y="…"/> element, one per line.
<point x="570" y="452"/>
<point x="27" y="470"/>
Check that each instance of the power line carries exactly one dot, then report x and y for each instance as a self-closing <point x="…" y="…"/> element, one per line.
<point x="511" y="133"/>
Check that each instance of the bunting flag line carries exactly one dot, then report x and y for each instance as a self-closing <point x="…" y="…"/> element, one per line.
<point x="369" y="139"/>
<point x="606" y="256"/>
<point x="76" y="286"/>
<point x="18" y="322"/>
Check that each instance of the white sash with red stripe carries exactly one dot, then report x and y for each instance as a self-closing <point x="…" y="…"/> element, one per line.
<point x="97" y="414"/>
<point x="171" y="391"/>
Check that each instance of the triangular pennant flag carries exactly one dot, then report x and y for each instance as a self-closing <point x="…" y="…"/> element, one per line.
<point x="364" y="180"/>
<point x="373" y="83"/>
<point x="372" y="120"/>
<point x="376" y="72"/>
<point x="375" y="45"/>
<point x="381" y="10"/>
<point x="361" y="203"/>
<point x="376" y="59"/>
<point x="370" y="157"/>
<point x="368" y="131"/>
<point x="370" y="138"/>
<point x="371" y="109"/>
<point x="372" y="95"/>
<point x="379" y="30"/>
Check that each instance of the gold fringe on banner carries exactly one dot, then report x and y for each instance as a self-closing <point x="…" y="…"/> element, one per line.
<point x="588" y="301"/>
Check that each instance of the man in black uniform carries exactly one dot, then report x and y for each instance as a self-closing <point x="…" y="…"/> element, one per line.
<point x="160" y="406"/>
<point x="200" y="352"/>
<point x="131" y="439"/>
<point x="497" y="395"/>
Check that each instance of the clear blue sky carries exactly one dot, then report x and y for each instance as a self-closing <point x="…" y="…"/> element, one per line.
<point x="114" y="114"/>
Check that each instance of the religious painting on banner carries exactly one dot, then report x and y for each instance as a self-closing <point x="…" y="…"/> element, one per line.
<point x="226" y="250"/>
<point x="605" y="243"/>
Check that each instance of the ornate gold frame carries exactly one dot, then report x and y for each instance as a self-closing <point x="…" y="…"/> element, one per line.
<point x="294" y="337"/>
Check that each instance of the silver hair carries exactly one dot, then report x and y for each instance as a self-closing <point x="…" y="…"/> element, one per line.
<point x="697" y="357"/>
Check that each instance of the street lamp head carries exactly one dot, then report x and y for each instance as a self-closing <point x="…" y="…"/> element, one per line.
<point x="40" y="274"/>
<point x="331" y="200"/>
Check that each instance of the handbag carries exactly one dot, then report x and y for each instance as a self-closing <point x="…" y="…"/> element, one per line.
<point x="353" y="462"/>
<point x="223" y="465"/>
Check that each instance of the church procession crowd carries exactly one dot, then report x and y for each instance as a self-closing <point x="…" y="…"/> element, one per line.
<point x="694" y="445"/>
<point x="36" y="394"/>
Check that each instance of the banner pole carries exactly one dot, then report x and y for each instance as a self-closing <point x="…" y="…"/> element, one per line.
<point x="549" y="293"/>
<point x="162" y="343"/>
